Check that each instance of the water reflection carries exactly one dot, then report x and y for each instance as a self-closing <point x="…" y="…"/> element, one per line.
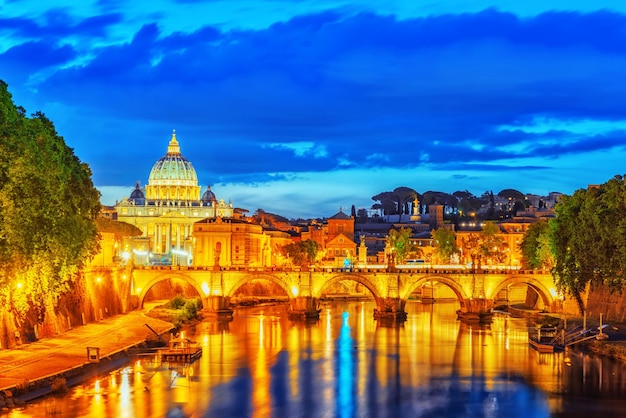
<point x="348" y="365"/>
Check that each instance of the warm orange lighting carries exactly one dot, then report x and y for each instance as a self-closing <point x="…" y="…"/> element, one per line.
<point x="20" y="285"/>
<point x="98" y="279"/>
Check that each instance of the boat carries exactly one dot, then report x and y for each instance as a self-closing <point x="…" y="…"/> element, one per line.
<point x="542" y="347"/>
<point x="181" y="350"/>
<point x="544" y="340"/>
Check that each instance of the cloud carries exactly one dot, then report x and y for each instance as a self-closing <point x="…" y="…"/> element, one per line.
<point x="328" y="92"/>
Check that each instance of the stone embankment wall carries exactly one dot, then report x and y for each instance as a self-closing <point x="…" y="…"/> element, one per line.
<point x="612" y="305"/>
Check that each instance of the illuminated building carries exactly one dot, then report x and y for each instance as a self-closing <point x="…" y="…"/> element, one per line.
<point x="166" y="211"/>
<point x="340" y="244"/>
<point x="230" y="242"/>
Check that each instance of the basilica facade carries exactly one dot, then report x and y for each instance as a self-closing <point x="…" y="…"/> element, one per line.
<point x="166" y="210"/>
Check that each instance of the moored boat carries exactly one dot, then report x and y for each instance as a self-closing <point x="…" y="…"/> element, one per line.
<point x="181" y="350"/>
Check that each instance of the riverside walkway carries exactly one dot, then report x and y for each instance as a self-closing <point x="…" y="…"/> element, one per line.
<point x="52" y="356"/>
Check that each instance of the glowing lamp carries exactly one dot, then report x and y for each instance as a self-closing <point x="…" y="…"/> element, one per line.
<point x="206" y="289"/>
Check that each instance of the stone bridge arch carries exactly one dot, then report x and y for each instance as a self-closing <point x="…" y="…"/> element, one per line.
<point x="286" y="286"/>
<point x="360" y="279"/>
<point x="416" y="282"/>
<point x="537" y="285"/>
<point x="165" y="276"/>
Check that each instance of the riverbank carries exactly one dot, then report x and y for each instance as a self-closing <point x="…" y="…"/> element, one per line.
<point x="614" y="346"/>
<point x="43" y="367"/>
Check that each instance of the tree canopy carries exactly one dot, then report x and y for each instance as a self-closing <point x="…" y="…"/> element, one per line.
<point x="302" y="252"/>
<point x="444" y="241"/>
<point x="399" y="241"/>
<point x="535" y="246"/>
<point x="589" y="238"/>
<point x="48" y="207"/>
<point x="120" y="229"/>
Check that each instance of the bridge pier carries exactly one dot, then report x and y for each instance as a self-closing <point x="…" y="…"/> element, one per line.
<point x="476" y="310"/>
<point x="217" y="307"/>
<point x="304" y="307"/>
<point x="390" y="310"/>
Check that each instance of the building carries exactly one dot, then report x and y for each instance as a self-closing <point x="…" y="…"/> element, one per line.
<point x="230" y="242"/>
<point x="167" y="209"/>
<point x="340" y="245"/>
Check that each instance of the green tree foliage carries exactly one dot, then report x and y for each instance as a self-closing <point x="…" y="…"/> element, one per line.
<point x="535" y="246"/>
<point x="120" y="229"/>
<point x="302" y="252"/>
<point x="493" y="247"/>
<point x="48" y="205"/>
<point x="399" y="241"/>
<point x="589" y="238"/>
<point x="444" y="241"/>
<point x="486" y="247"/>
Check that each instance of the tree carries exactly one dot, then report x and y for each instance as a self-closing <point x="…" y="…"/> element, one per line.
<point x="403" y="196"/>
<point x="386" y="205"/>
<point x="399" y="242"/>
<point x="120" y="229"/>
<point x="493" y="247"/>
<point x="395" y="202"/>
<point x="48" y="207"/>
<point x="487" y="246"/>
<point x="444" y="241"/>
<point x="535" y="246"/>
<point x="302" y="252"/>
<point x="589" y="238"/>
<point x="472" y="247"/>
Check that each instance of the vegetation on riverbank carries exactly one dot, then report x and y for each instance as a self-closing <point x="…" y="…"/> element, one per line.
<point x="178" y="310"/>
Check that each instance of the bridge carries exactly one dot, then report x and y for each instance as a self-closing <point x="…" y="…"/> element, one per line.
<point x="477" y="291"/>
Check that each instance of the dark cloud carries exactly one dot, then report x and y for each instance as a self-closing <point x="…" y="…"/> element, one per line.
<point x="368" y="90"/>
<point x="57" y="24"/>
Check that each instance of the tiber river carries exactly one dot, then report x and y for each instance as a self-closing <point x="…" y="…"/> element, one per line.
<point x="345" y="365"/>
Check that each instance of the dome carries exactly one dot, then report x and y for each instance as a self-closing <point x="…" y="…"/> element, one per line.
<point x="137" y="195"/>
<point x="173" y="167"/>
<point x="208" y="197"/>
<point x="173" y="177"/>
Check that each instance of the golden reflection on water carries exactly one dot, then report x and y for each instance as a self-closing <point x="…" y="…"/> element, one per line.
<point x="346" y="364"/>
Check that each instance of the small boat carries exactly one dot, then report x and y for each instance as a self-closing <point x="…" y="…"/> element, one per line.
<point x="542" y="347"/>
<point x="544" y="340"/>
<point x="181" y="350"/>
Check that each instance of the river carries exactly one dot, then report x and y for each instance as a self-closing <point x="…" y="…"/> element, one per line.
<point x="346" y="365"/>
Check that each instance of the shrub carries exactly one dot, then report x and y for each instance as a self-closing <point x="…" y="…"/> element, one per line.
<point x="191" y="308"/>
<point x="177" y="302"/>
<point x="58" y="385"/>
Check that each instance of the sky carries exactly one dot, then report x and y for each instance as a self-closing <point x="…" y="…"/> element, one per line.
<point x="306" y="107"/>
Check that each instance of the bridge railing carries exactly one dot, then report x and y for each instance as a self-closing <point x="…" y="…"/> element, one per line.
<point x="400" y="268"/>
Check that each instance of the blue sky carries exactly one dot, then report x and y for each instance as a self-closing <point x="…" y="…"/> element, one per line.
<point x="302" y="107"/>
